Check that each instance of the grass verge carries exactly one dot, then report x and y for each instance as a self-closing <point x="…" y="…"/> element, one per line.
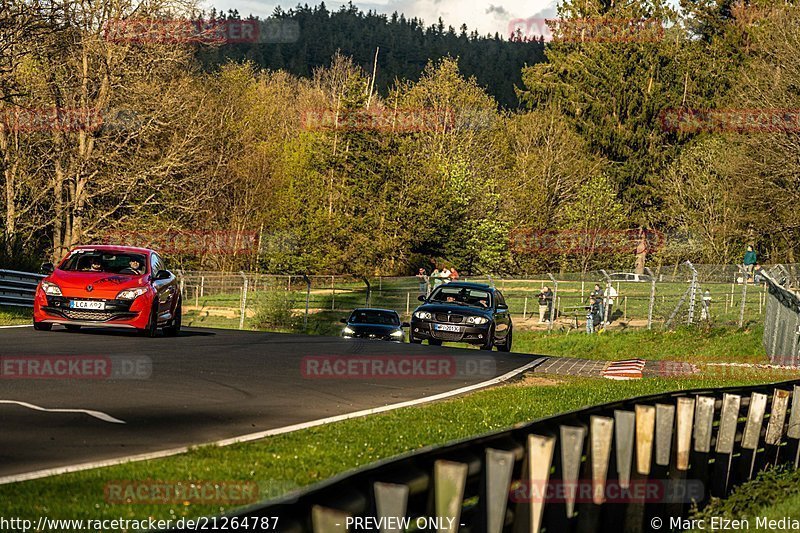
<point x="283" y="462"/>
<point x="12" y="316"/>
<point x="773" y="496"/>
<point x="693" y="344"/>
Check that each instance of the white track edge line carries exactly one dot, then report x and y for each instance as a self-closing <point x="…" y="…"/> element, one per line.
<point x="27" y="476"/>
<point x="100" y="415"/>
<point x="17" y="326"/>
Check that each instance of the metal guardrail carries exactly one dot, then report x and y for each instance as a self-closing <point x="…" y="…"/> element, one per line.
<point x="623" y="465"/>
<point x="18" y="288"/>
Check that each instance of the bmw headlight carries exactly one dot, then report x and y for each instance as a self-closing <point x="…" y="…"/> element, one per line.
<point x="348" y="330"/>
<point x="398" y="333"/>
<point x="51" y="289"/>
<point x="131" y="294"/>
<point x="424" y="315"/>
<point x="477" y="320"/>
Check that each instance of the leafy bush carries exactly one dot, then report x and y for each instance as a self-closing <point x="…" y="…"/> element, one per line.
<point x="275" y="309"/>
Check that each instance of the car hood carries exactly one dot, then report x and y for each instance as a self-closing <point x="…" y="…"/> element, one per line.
<point x="455" y="309"/>
<point x="104" y="285"/>
<point x="373" y="329"/>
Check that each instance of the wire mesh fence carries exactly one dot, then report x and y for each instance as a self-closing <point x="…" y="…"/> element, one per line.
<point x="782" y="318"/>
<point x="661" y="298"/>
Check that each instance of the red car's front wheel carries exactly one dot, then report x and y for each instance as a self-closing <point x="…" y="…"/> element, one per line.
<point x="152" y="324"/>
<point x="42" y="326"/>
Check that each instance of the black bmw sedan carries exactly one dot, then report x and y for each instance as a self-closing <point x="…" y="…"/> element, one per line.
<point x="378" y="324"/>
<point x="473" y="313"/>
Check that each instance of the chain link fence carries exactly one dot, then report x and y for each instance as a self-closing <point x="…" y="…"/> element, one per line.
<point x="782" y="320"/>
<point x="665" y="297"/>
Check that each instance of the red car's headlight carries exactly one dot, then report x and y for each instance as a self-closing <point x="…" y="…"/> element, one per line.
<point x="131" y="294"/>
<point x="51" y="289"/>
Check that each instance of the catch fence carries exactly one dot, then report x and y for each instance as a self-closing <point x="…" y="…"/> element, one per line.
<point x="663" y="297"/>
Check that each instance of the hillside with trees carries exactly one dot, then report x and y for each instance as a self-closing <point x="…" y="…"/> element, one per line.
<point x="203" y="138"/>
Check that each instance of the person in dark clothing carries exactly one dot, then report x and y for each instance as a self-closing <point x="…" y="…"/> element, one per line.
<point x="750" y="259"/>
<point x="545" y="304"/>
<point x="758" y="273"/>
<point x="594" y="315"/>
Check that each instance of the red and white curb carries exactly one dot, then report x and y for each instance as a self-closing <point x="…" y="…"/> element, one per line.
<point x="627" y="369"/>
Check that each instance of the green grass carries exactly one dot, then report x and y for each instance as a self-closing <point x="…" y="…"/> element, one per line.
<point x="773" y="495"/>
<point x="684" y="344"/>
<point x="11" y="315"/>
<point x="278" y="464"/>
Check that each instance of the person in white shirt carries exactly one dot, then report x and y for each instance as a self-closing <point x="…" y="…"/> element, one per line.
<point x="609" y="294"/>
<point x="445" y="274"/>
<point x="705" y="311"/>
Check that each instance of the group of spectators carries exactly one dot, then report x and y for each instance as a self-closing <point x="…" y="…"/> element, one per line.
<point x="439" y="276"/>
<point x="599" y="306"/>
<point x="600" y="302"/>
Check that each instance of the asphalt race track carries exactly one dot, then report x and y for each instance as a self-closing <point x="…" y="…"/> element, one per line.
<point x="203" y="386"/>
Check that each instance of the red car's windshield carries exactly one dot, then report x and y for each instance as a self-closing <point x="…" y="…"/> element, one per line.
<point x="105" y="261"/>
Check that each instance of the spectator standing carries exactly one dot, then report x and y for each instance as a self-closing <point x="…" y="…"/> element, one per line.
<point x="454" y="274"/>
<point x="596" y="293"/>
<point x="593" y="314"/>
<point x="705" y="312"/>
<point x="609" y="295"/>
<point x="436" y="278"/>
<point x="424" y="282"/>
<point x="445" y="274"/>
<point x="597" y="313"/>
<point x="758" y="273"/>
<point x="750" y="259"/>
<point x="545" y="304"/>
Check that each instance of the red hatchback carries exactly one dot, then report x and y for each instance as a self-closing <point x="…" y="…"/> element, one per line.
<point x="109" y="286"/>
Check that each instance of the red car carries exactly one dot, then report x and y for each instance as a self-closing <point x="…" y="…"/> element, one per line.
<point x="109" y="286"/>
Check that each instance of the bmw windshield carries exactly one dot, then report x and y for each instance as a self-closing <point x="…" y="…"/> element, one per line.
<point x="374" y="317"/>
<point x="461" y="296"/>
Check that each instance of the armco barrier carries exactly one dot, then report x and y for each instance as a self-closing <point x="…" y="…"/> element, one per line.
<point x="633" y="465"/>
<point x="18" y="288"/>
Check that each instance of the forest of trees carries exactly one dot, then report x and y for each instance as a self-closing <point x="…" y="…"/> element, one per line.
<point x="406" y="46"/>
<point x="216" y="137"/>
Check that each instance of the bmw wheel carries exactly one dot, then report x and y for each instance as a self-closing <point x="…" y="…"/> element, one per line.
<point x="489" y="344"/>
<point x="506" y="346"/>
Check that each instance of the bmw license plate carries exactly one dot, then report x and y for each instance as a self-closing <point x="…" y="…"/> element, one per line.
<point x="84" y="304"/>
<point x="447" y="327"/>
